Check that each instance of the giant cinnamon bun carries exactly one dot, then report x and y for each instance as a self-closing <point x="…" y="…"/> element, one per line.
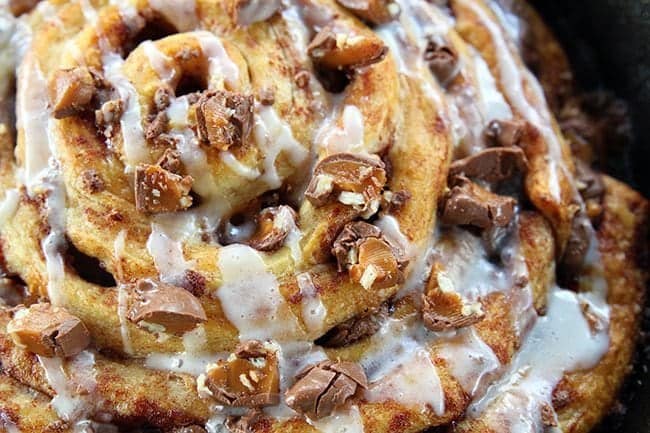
<point x="304" y="215"/>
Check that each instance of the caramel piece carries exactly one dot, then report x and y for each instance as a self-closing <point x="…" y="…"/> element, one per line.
<point x="155" y="304"/>
<point x="158" y="190"/>
<point x="443" y="308"/>
<point x="48" y="331"/>
<point x="504" y="133"/>
<point x="224" y="118"/>
<point x="354" y="180"/>
<point x="372" y="11"/>
<point x="273" y="226"/>
<point x="442" y="60"/>
<point x="71" y="91"/>
<point x="324" y="387"/>
<point x="470" y="204"/>
<point x="249" y="378"/>
<point x="338" y="47"/>
<point x="494" y="164"/>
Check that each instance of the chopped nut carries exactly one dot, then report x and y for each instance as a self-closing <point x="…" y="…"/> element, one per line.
<point x="324" y="387"/>
<point x="71" y="91"/>
<point x="158" y="190"/>
<point x="248" y="12"/>
<point x="504" y="133"/>
<point x="48" y="331"/>
<point x="249" y="378"/>
<point x="373" y="11"/>
<point x="338" y="47"/>
<point x="443" y="308"/>
<point x="273" y="226"/>
<point x="92" y="181"/>
<point x="442" y="60"/>
<point x="469" y="204"/>
<point x="494" y="164"/>
<point x="173" y="308"/>
<point x="224" y="118"/>
<point x="355" y="329"/>
<point x="356" y="180"/>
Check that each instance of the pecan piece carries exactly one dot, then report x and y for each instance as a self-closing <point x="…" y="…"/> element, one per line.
<point x="504" y="133"/>
<point x="443" y="308"/>
<point x="373" y="11"/>
<point x="71" y="91"/>
<point x="160" y="306"/>
<point x="224" y="118"/>
<point x="249" y="378"/>
<point x="470" y="204"/>
<point x="322" y="388"/>
<point x="248" y="12"/>
<point x="355" y="180"/>
<point x="494" y="164"/>
<point x="273" y="226"/>
<point x="158" y="190"/>
<point x="49" y="331"/>
<point x="442" y="60"/>
<point x="338" y="47"/>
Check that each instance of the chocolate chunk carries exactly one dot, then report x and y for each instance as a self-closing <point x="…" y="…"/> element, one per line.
<point x="443" y="308"/>
<point x="224" y="118"/>
<point x="322" y="388"/>
<point x="442" y="60"/>
<point x="108" y="116"/>
<point x="469" y="204"/>
<point x="189" y="429"/>
<point x="354" y="180"/>
<point x="273" y="226"/>
<point x="71" y="91"/>
<point x="504" y="133"/>
<point x="590" y="184"/>
<point x="158" y="190"/>
<point x="170" y="160"/>
<point x="549" y="417"/>
<point x="253" y="421"/>
<point x="394" y="201"/>
<point x="48" y="331"/>
<point x="92" y="181"/>
<point x="495" y="164"/>
<point x="19" y="7"/>
<point x="345" y="247"/>
<point x="248" y="12"/>
<point x="249" y="378"/>
<point x="156" y="304"/>
<point x="157" y="126"/>
<point x="338" y="47"/>
<point x="577" y="246"/>
<point x="355" y="328"/>
<point x="372" y="11"/>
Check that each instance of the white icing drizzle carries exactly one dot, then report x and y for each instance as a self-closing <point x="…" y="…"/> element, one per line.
<point x="242" y="170"/>
<point x="159" y="61"/>
<point x="7" y="424"/>
<point x="349" y="421"/>
<point x="54" y="242"/>
<point x="167" y="254"/>
<point x="560" y="342"/>
<point x="274" y="136"/>
<point x="9" y="205"/>
<point x="391" y="230"/>
<point x="257" y="10"/>
<point x="89" y="12"/>
<point x="118" y="252"/>
<point x="135" y="148"/>
<point x="250" y="297"/>
<point x="469" y="359"/>
<point x="183" y="362"/>
<point x="222" y="68"/>
<point x="182" y="14"/>
<point x="345" y="138"/>
<point x="492" y="103"/>
<point x="509" y="21"/>
<point x="313" y="309"/>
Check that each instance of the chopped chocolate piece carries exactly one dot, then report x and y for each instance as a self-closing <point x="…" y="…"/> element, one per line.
<point x="470" y="204"/>
<point x="92" y="181"/>
<point x="108" y="116"/>
<point x="248" y="12"/>
<point x="266" y="97"/>
<point x="355" y="180"/>
<point x="577" y="246"/>
<point x="158" y="190"/>
<point x="170" y="161"/>
<point x="251" y="422"/>
<point x="273" y="226"/>
<point x="302" y="79"/>
<point x="394" y="201"/>
<point x="443" y="308"/>
<point x="224" y="118"/>
<point x="355" y="329"/>
<point x="71" y="91"/>
<point x="249" y="378"/>
<point x="48" y="331"/>
<point x="162" y="98"/>
<point x="442" y="60"/>
<point x="157" y="126"/>
<point x="19" y="7"/>
<point x="324" y="387"/>
<point x="345" y="248"/>
<point x="373" y="11"/>
<point x="494" y="164"/>
<point x="156" y="304"/>
<point x="338" y="47"/>
<point x="504" y="133"/>
<point x="590" y="184"/>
